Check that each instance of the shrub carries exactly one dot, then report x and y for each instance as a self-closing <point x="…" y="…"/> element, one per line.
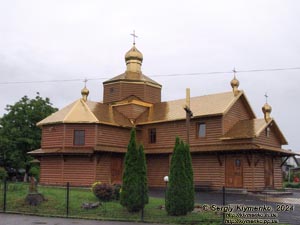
<point x="116" y="191"/>
<point x="3" y="173"/>
<point x="103" y="192"/>
<point x="134" y="186"/>
<point x="35" y="171"/>
<point x="292" y="185"/>
<point x="177" y="198"/>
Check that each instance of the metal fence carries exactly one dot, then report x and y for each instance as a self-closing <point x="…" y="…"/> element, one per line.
<point x="224" y="206"/>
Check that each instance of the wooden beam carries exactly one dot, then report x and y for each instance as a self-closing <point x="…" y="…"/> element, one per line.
<point x="256" y="162"/>
<point x="248" y="159"/>
<point x="219" y="159"/>
<point x="283" y="162"/>
<point x="296" y="161"/>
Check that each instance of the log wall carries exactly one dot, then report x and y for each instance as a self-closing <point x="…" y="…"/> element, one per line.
<point x="237" y="112"/>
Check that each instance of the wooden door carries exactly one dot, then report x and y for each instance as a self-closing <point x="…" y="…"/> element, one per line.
<point x="234" y="172"/>
<point x="116" y="168"/>
<point x="269" y="175"/>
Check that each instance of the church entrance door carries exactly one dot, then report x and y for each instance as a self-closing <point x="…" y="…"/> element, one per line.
<point x="234" y="172"/>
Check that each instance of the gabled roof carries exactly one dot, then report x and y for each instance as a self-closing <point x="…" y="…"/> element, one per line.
<point x="76" y="112"/>
<point x="207" y="105"/>
<point x="82" y="111"/>
<point x="244" y="129"/>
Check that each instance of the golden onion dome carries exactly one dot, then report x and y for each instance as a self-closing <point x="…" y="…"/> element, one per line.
<point x="85" y="92"/>
<point x="134" y="54"/>
<point x="267" y="108"/>
<point x="235" y="83"/>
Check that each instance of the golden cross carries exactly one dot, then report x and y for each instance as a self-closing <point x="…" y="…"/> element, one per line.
<point x="85" y="80"/>
<point x="234" y="71"/>
<point x="134" y="36"/>
<point x="266" y="95"/>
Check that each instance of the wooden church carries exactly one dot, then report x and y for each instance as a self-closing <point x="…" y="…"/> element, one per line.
<point x="86" y="141"/>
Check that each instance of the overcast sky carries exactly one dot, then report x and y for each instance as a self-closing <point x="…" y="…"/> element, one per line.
<point x="69" y="39"/>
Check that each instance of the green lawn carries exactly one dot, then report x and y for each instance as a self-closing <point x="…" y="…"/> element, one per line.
<point x="56" y="206"/>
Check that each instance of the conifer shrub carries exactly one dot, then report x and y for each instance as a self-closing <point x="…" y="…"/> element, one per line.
<point x="180" y="190"/>
<point x="190" y="177"/>
<point x="134" y="194"/>
<point x="104" y="192"/>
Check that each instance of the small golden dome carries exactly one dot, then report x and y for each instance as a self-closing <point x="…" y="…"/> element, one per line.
<point x="267" y="108"/>
<point x="85" y="92"/>
<point x="134" y="54"/>
<point x="235" y="83"/>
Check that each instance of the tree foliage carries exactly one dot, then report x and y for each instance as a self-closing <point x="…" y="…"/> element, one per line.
<point x="180" y="191"/>
<point x="134" y="194"/>
<point x="190" y="178"/>
<point x="18" y="131"/>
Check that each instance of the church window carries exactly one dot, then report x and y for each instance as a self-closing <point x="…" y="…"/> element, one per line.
<point x="201" y="129"/>
<point x="79" y="137"/>
<point x="152" y="135"/>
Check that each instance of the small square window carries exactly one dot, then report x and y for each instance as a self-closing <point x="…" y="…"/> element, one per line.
<point x="201" y="130"/>
<point x="152" y="135"/>
<point x="79" y="137"/>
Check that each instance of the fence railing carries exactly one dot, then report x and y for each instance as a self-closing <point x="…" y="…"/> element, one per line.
<point x="217" y="207"/>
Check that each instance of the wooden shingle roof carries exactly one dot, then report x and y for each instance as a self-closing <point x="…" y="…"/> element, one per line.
<point x="82" y="111"/>
<point x="207" y="105"/>
<point x="244" y="129"/>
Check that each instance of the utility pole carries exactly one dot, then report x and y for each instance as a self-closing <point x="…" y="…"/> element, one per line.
<point x="188" y="114"/>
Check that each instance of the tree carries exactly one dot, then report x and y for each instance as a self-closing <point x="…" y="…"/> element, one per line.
<point x="134" y="177"/>
<point x="190" y="177"/>
<point x="18" y="131"/>
<point x="143" y="175"/>
<point x="179" y="197"/>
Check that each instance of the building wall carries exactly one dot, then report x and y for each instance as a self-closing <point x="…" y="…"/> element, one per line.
<point x="273" y="140"/>
<point x="62" y="135"/>
<point x="237" y="112"/>
<point x="51" y="170"/>
<point x="103" y="167"/>
<point x="118" y="91"/>
<point x="52" y="136"/>
<point x="278" y="176"/>
<point x="208" y="171"/>
<point x="112" y="136"/>
<point x="58" y="170"/>
<point x="157" y="169"/>
<point x="167" y="132"/>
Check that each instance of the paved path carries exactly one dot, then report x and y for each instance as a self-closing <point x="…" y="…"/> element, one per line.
<point x="16" y="219"/>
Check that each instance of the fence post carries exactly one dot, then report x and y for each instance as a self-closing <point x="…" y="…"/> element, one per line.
<point x="224" y="203"/>
<point x="68" y="197"/>
<point x="143" y="201"/>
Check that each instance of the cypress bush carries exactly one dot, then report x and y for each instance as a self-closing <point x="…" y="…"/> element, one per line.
<point x="180" y="192"/>
<point x="134" y="177"/>
<point x="177" y="196"/>
<point x="190" y="177"/>
<point x="143" y="175"/>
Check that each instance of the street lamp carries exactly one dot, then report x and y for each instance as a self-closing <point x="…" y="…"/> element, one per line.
<point x="166" y="180"/>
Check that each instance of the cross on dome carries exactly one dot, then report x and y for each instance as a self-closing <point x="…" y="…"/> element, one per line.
<point x="266" y="95"/>
<point x="134" y="36"/>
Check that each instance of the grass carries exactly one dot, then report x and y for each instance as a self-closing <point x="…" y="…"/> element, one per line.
<point x="56" y="206"/>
